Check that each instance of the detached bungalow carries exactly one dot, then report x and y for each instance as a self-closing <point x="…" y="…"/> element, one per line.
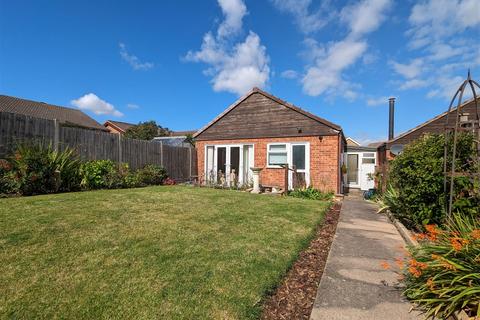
<point x="260" y="130"/>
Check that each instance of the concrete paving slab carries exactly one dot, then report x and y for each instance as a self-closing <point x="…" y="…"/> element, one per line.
<point x="354" y="284"/>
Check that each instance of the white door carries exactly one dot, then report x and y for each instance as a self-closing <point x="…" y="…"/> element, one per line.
<point x="367" y="169"/>
<point x="299" y="158"/>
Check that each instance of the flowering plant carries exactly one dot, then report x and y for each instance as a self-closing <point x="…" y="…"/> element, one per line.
<point x="442" y="274"/>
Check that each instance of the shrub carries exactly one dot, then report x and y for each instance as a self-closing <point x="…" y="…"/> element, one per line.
<point x="39" y="169"/>
<point x="417" y="176"/>
<point x="311" y="193"/>
<point x="99" y="174"/>
<point x="443" y="274"/>
<point x="152" y="175"/>
<point x="8" y="183"/>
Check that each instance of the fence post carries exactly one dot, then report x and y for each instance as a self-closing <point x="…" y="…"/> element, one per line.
<point x="119" y="148"/>
<point x="56" y="134"/>
<point x="161" y="154"/>
<point x="189" y="163"/>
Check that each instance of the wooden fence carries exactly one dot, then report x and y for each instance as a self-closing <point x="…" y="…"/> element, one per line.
<point x="180" y="162"/>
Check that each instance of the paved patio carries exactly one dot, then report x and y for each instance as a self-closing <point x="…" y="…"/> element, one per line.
<point x="355" y="285"/>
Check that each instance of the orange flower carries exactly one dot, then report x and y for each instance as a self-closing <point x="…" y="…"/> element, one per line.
<point x="436" y="256"/>
<point x="415" y="272"/>
<point x="433" y="232"/>
<point x="458" y="243"/>
<point x="476" y="234"/>
<point x="430" y="284"/>
<point x="385" y="265"/>
<point x="419" y="236"/>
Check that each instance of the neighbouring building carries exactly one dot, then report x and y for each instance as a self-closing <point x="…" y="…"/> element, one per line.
<point x="360" y="164"/>
<point x="177" y="138"/>
<point x="261" y="130"/>
<point x="65" y="116"/>
<point x="387" y="151"/>
<point x="118" y="127"/>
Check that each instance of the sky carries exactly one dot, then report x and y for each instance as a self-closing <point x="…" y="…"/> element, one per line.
<point x="183" y="62"/>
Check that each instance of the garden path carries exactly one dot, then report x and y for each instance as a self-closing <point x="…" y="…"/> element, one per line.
<point x="360" y="279"/>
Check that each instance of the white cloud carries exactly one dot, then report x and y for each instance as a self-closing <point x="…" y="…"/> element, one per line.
<point x="133" y="106"/>
<point x="233" y="68"/>
<point x="133" y="60"/>
<point x="289" y="74"/>
<point x="234" y="11"/>
<point x="325" y="76"/>
<point x="408" y="70"/>
<point x="436" y="19"/>
<point x="365" y="16"/>
<point x="414" y="84"/>
<point x="373" y="102"/>
<point x="445" y="49"/>
<point x="93" y="103"/>
<point x="306" y="20"/>
<point x="446" y="87"/>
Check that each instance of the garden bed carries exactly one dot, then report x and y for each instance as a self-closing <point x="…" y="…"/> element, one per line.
<point x="294" y="298"/>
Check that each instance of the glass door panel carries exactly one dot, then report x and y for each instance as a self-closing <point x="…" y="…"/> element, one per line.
<point x="221" y="164"/>
<point x="234" y="165"/>
<point x="352" y="168"/>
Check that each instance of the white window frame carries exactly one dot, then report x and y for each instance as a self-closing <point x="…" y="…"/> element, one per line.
<point x="289" y="146"/>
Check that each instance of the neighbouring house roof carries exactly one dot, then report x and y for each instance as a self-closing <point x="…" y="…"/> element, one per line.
<point x="182" y="133"/>
<point x="332" y="128"/>
<point x="375" y="144"/>
<point x="48" y="111"/>
<point x="360" y="149"/>
<point x="352" y="142"/>
<point x="434" y="125"/>
<point x="119" y="125"/>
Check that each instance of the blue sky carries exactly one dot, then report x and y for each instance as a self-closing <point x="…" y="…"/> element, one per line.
<point x="181" y="63"/>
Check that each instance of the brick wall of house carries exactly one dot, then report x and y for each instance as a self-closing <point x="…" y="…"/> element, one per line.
<point x="324" y="160"/>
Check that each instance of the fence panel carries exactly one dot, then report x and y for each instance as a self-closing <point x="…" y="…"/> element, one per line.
<point x="180" y="162"/>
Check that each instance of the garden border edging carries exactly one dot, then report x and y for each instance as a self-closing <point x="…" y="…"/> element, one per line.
<point x="404" y="232"/>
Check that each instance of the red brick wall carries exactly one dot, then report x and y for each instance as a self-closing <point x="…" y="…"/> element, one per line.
<point x="324" y="160"/>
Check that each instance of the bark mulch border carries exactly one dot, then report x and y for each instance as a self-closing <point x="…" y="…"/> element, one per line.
<point x="295" y="296"/>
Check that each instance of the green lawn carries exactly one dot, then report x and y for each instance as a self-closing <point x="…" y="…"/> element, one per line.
<point x="158" y="252"/>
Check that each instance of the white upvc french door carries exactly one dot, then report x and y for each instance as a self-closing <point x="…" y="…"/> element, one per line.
<point x="226" y="160"/>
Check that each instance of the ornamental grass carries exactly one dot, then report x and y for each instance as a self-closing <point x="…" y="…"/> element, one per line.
<point x="442" y="274"/>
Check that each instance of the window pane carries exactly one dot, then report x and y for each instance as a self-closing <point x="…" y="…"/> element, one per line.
<point x="278" y="148"/>
<point x="369" y="154"/>
<point x="299" y="157"/>
<point x="368" y="160"/>
<point x="277" y="158"/>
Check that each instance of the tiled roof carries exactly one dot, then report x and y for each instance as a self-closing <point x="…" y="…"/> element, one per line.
<point x="121" y="125"/>
<point x="48" y="111"/>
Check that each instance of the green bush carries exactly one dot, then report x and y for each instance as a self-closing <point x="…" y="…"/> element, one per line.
<point x="152" y="175"/>
<point x="8" y="182"/>
<point x="443" y="274"/>
<point x="98" y="174"/>
<point x="39" y="169"/>
<point x="417" y="177"/>
<point x="311" y="193"/>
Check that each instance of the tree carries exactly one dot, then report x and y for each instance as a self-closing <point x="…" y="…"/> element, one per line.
<point x="146" y="131"/>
